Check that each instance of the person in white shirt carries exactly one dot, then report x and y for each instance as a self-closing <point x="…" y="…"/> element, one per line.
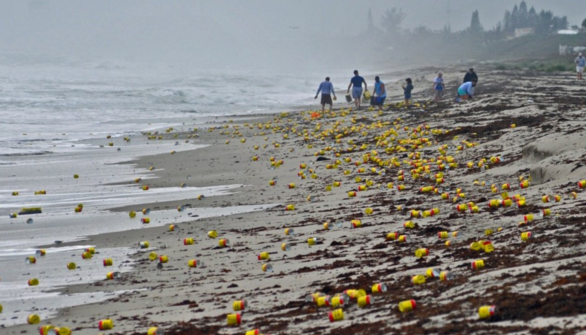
<point x="438" y="87"/>
<point x="580" y="64"/>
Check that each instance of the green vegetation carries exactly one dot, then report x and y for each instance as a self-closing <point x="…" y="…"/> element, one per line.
<point x="30" y="209"/>
<point x="498" y="43"/>
<point x="560" y="64"/>
<point x="543" y="23"/>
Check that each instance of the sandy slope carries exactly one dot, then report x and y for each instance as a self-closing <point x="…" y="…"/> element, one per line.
<point x="537" y="286"/>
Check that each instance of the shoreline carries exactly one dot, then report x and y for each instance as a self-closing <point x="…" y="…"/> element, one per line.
<point x="361" y="258"/>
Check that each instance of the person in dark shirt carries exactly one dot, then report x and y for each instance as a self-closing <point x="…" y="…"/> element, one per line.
<point x="356" y="85"/>
<point x="470" y="76"/>
<point x="407" y="90"/>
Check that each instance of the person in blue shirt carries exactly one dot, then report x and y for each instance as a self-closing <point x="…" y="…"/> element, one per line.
<point x="407" y="90"/>
<point x="466" y="91"/>
<point x="327" y="90"/>
<point x="380" y="93"/>
<point x="356" y="84"/>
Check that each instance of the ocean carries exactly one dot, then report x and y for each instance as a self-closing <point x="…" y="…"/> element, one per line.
<point x="54" y="120"/>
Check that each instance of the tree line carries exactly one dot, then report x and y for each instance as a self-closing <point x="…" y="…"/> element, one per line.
<point x="520" y="16"/>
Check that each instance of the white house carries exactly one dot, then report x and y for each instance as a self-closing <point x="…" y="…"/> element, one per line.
<point x="523" y="31"/>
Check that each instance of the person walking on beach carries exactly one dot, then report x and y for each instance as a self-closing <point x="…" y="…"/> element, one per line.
<point x="470" y="76"/>
<point x="580" y="65"/>
<point x="380" y="93"/>
<point x="356" y="85"/>
<point x="466" y="91"/>
<point x="438" y="87"/>
<point x="327" y="90"/>
<point x="407" y="88"/>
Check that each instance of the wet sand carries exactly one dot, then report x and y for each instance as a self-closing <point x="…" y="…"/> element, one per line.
<point x="536" y="285"/>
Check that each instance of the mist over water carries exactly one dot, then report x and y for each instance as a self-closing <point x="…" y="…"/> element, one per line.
<point x="281" y="36"/>
<point x="60" y="103"/>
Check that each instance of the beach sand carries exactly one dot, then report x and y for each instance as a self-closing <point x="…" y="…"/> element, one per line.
<point x="537" y="286"/>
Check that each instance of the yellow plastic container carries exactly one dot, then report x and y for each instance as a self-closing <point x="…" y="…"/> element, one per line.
<point x="407" y="306"/>
<point x="486" y="312"/>
<point x="421" y="252"/>
<point x="33" y="319"/>
<point x="192" y="263"/>
<point x="418" y="280"/>
<point x="106" y="324"/>
<point x="477" y="264"/>
<point x="445" y="276"/>
<point x="112" y="275"/>
<point x="365" y="301"/>
<point x="409" y="225"/>
<point x="264" y="256"/>
<point x="238" y="305"/>
<point x="323" y="301"/>
<point x="379" y="288"/>
<point x="339" y="300"/>
<point x="336" y="315"/>
<point x="63" y="330"/>
<point x="234" y="319"/>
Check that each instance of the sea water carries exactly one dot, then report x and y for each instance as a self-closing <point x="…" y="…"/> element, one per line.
<point x="54" y="119"/>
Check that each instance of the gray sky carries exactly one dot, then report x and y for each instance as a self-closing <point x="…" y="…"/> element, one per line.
<point x="222" y="30"/>
<point x="333" y="16"/>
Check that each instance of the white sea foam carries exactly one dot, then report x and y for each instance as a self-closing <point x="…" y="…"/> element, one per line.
<point x="54" y="104"/>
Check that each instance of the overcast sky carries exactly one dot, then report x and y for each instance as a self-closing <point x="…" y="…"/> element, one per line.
<point x="324" y="16"/>
<point x="247" y="28"/>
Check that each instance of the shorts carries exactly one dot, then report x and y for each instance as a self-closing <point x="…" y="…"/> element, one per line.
<point x="326" y="99"/>
<point x="407" y="96"/>
<point x="462" y="92"/>
<point x="580" y="69"/>
<point x="438" y="94"/>
<point x="377" y="101"/>
<point x="356" y="92"/>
